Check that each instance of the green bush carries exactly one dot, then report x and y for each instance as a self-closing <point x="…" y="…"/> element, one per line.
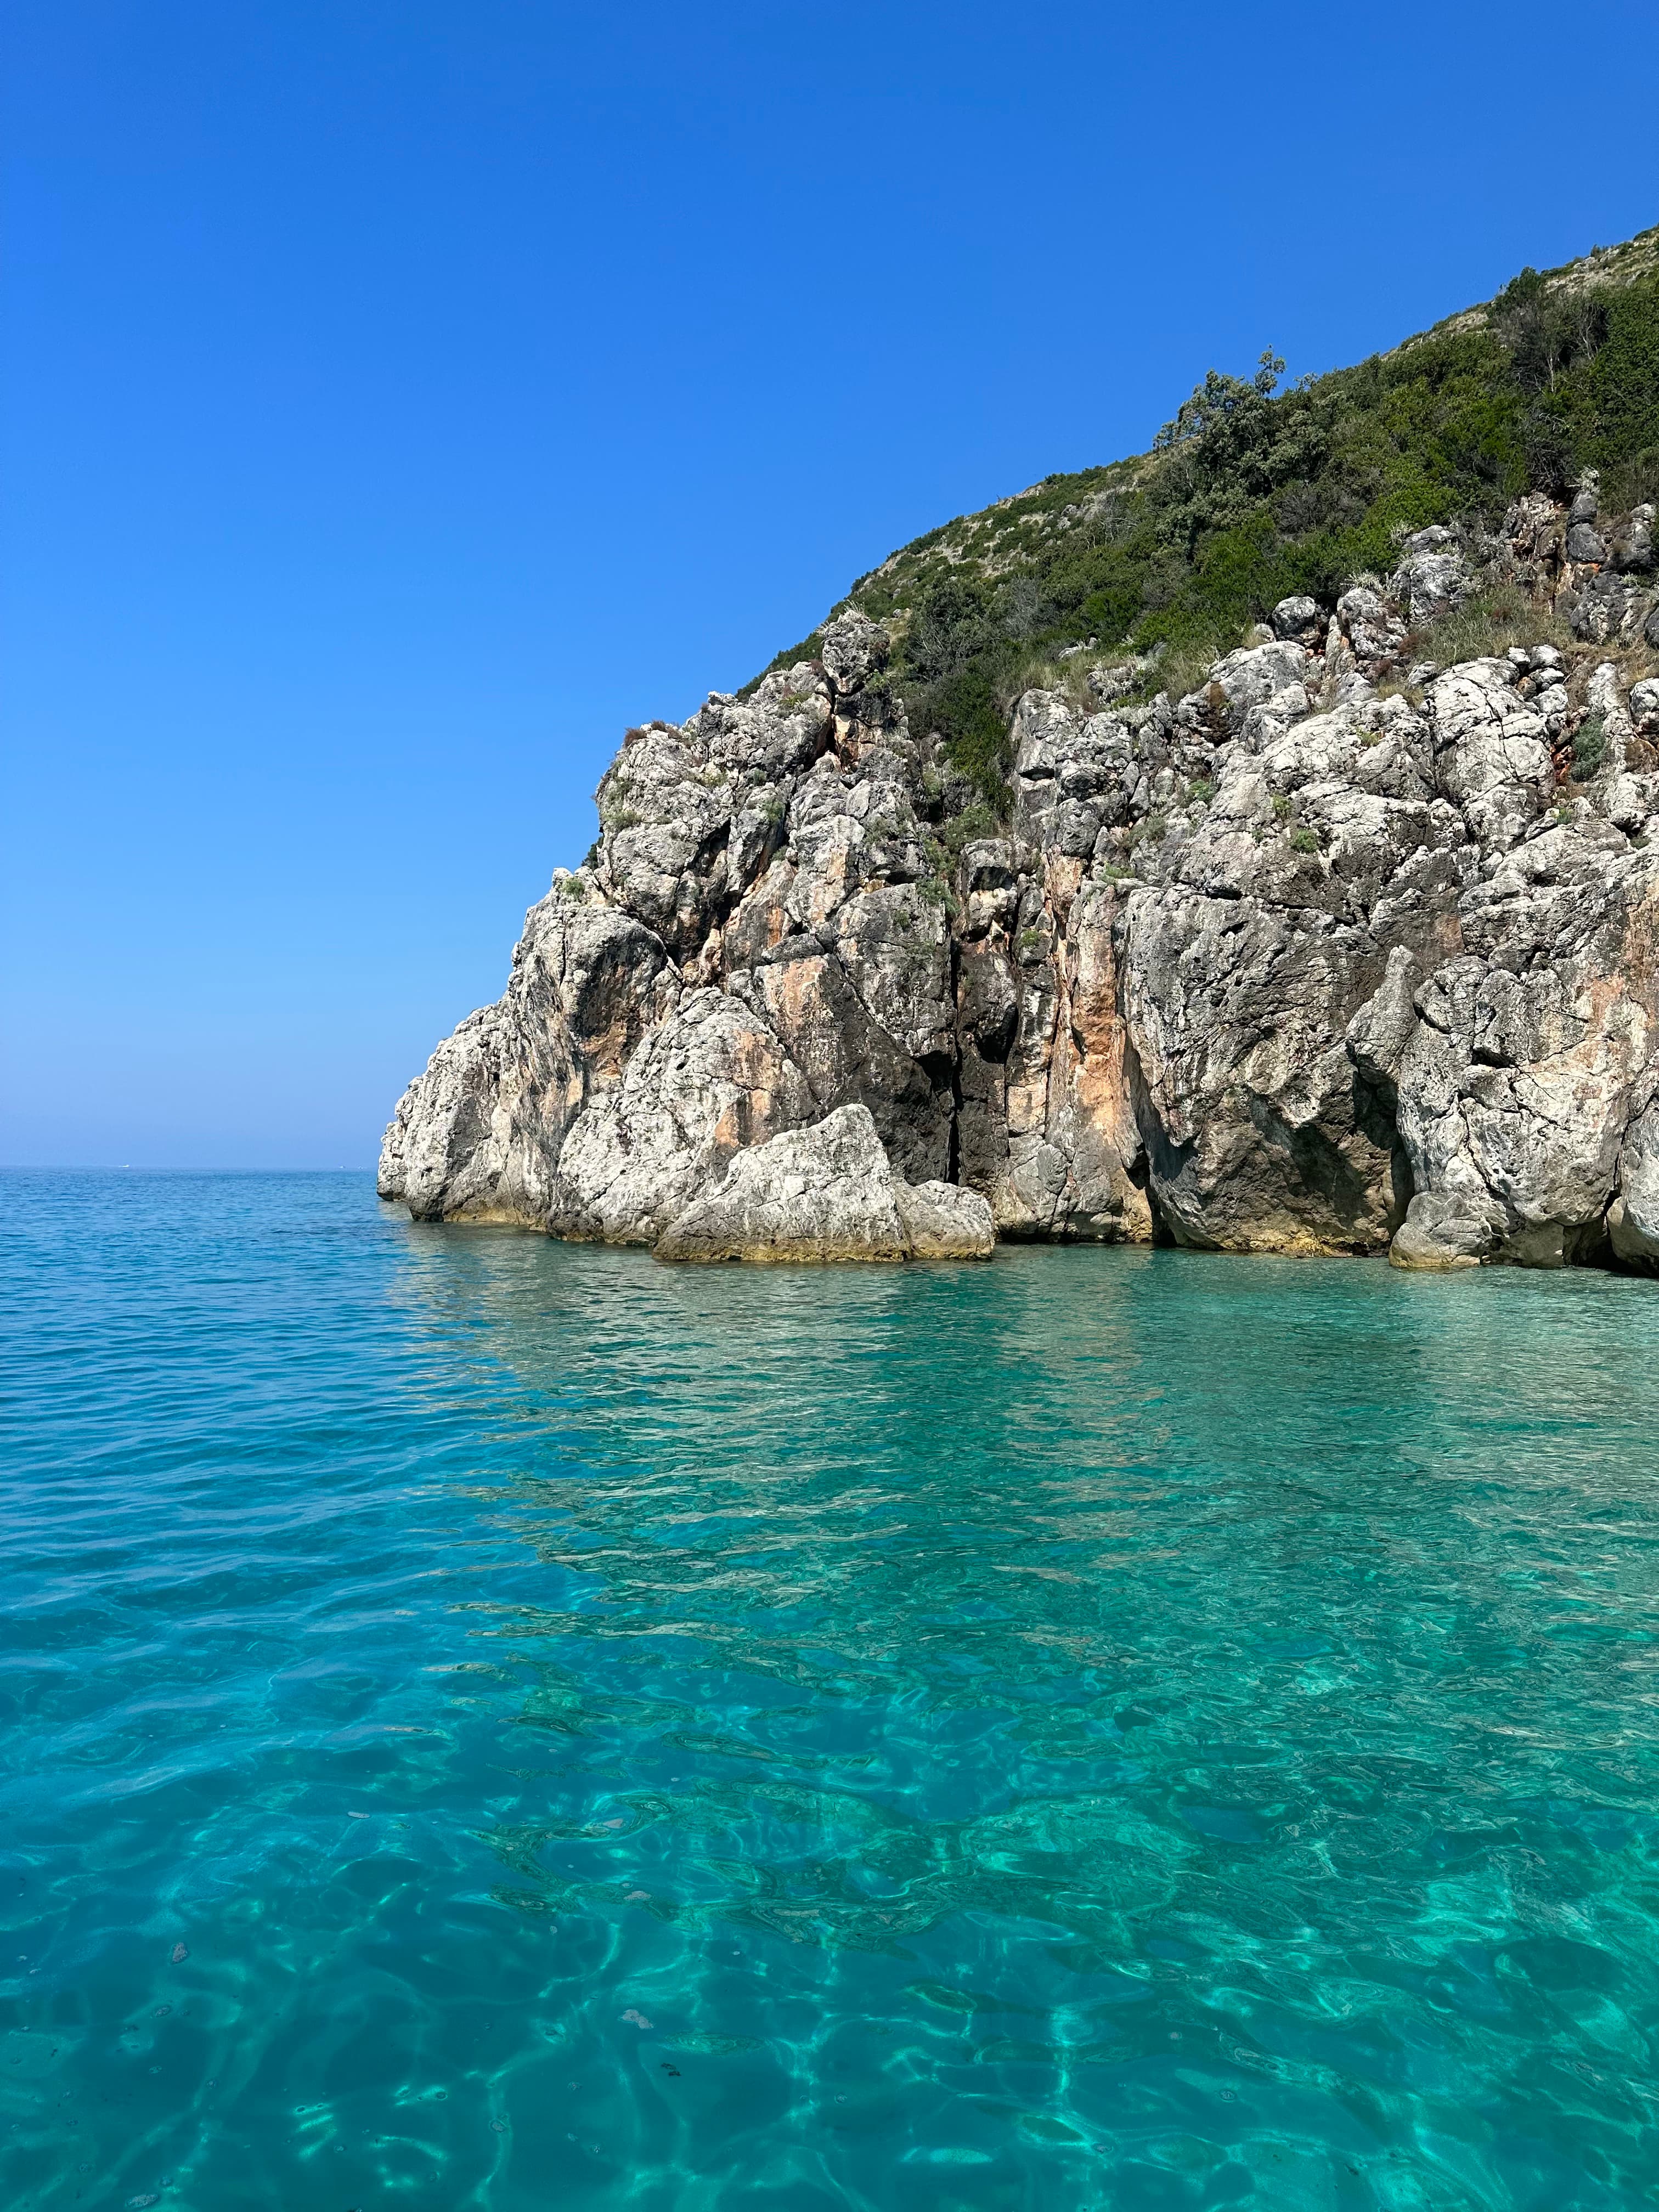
<point x="808" y="649"/>
<point x="1620" y="405"/>
<point x="979" y="820"/>
<point x="1589" y="748"/>
<point x="1256" y="490"/>
<point x="1250" y="495"/>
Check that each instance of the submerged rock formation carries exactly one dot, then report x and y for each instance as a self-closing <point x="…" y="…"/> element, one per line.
<point x="1340" y="951"/>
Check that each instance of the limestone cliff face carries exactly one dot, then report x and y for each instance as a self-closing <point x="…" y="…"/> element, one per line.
<point x="1334" y="953"/>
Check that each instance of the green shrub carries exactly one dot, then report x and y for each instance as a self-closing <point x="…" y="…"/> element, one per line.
<point x="1618" y="406"/>
<point x="1256" y="490"/>
<point x="1248" y="497"/>
<point x="1589" y="747"/>
<point x="809" y="649"/>
<point x="978" y="820"/>
<point x="1304" y="840"/>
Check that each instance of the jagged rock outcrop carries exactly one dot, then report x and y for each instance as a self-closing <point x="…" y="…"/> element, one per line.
<point x="710" y="1081"/>
<point x="478" y="1137"/>
<point x="828" y="1193"/>
<point x="1342" y="951"/>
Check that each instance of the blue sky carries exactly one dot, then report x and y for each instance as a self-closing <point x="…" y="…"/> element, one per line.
<point x="400" y="399"/>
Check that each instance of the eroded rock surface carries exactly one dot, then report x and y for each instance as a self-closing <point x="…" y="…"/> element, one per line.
<point x="1340" y="951"/>
<point x="828" y="1193"/>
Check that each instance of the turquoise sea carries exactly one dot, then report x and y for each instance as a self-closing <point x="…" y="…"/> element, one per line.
<point x="493" y="1724"/>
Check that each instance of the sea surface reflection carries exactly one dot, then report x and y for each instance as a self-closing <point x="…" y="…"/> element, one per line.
<point x="492" y="1724"/>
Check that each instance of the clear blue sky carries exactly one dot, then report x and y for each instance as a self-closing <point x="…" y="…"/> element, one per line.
<point x="400" y="399"/>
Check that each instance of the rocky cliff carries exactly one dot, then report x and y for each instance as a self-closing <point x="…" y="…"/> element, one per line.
<point x="1352" y="945"/>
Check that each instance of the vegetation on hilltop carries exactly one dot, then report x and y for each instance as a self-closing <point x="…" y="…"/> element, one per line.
<point x="1256" y="490"/>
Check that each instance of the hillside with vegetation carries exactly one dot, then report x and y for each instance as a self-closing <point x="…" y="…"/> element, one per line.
<point x="1257" y="491"/>
<point x="1253" y="846"/>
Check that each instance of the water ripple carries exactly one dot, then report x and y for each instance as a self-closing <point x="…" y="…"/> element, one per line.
<point x="503" y="1725"/>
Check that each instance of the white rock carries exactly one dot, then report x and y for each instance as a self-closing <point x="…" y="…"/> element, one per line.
<point x="828" y="1193"/>
<point x="477" y="1136"/>
<point x="711" y="1080"/>
<point x="1490" y="751"/>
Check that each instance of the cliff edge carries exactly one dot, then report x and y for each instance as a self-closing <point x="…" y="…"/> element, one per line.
<point x="1350" y="942"/>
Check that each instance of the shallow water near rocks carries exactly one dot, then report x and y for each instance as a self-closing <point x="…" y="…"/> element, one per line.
<point x="495" y="1724"/>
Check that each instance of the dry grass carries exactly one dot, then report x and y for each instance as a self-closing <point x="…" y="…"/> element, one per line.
<point x="1628" y="484"/>
<point x="1483" y="628"/>
<point x="1177" y="669"/>
<point x="1036" y="671"/>
<point x="1486" y="626"/>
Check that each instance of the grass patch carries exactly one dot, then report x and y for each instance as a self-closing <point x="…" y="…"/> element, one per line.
<point x="1485" y="627"/>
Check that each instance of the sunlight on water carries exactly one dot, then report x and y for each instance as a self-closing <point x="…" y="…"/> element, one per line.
<point x="500" y="1725"/>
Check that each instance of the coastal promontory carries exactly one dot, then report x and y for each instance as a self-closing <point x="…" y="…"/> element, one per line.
<point x="1251" y="847"/>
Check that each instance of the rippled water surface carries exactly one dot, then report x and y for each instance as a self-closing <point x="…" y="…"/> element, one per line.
<point x="495" y="1724"/>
